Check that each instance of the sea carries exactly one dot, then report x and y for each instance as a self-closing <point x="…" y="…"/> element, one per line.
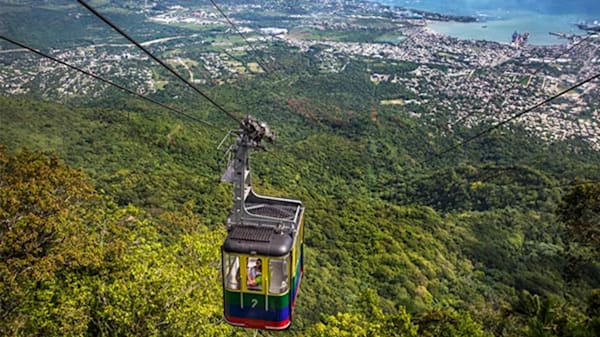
<point x="498" y="19"/>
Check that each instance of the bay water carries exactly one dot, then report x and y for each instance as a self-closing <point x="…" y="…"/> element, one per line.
<point x="498" y="19"/>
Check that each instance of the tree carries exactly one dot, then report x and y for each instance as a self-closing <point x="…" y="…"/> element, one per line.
<point x="593" y="311"/>
<point x="579" y="210"/>
<point x="72" y="263"/>
<point x="47" y="230"/>
<point x="368" y="320"/>
<point x="448" y="323"/>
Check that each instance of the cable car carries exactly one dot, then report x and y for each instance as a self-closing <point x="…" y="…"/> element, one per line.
<point x="262" y="256"/>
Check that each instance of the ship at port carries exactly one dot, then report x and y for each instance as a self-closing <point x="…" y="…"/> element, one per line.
<point x="590" y="27"/>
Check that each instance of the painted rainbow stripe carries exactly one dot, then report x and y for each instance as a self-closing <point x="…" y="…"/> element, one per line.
<point x="258" y="324"/>
<point x="259" y="311"/>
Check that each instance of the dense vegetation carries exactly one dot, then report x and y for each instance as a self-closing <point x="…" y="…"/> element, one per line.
<point x="487" y="256"/>
<point x="111" y="210"/>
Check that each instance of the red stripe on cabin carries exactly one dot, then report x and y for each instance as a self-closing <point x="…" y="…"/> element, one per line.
<point x="259" y="323"/>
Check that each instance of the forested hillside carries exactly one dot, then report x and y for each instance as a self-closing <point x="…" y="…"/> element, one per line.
<point x="467" y="250"/>
<point x="112" y="212"/>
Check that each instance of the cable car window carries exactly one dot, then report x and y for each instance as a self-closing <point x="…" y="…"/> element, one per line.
<point x="231" y="271"/>
<point x="278" y="275"/>
<point x="255" y="274"/>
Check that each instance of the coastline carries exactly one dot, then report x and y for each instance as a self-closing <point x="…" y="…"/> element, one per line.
<point x="429" y="30"/>
<point x="501" y="31"/>
<point x="499" y="24"/>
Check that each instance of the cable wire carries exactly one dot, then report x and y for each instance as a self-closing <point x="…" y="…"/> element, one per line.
<point x="578" y="183"/>
<point x="258" y="58"/>
<point x="242" y="62"/>
<point x="493" y="127"/>
<point x="125" y="35"/>
<point x="285" y="162"/>
<point x="99" y="78"/>
<point x="537" y="70"/>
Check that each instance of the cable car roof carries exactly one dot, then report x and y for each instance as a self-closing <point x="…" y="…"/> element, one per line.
<point x="254" y="240"/>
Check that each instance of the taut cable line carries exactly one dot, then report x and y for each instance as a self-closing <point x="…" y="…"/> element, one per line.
<point x="171" y="70"/>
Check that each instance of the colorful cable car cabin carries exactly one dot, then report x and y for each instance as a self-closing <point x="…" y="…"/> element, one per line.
<point x="262" y="256"/>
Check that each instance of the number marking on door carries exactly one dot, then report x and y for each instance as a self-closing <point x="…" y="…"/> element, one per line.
<point x="254" y="303"/>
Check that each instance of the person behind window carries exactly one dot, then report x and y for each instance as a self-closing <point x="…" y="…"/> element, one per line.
<point x="255" y="275"/>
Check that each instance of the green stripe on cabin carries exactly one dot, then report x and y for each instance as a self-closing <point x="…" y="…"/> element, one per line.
<point x="275" y="301"/>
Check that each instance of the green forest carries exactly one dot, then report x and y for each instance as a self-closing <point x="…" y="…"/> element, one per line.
<point x="112" y="222"/>
<point x="112" y="211"/>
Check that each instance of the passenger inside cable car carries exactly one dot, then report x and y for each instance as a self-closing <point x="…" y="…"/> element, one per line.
<point x="254" y="274"/>
<point x="278" y="274"/>
<point x="263" y="251"/>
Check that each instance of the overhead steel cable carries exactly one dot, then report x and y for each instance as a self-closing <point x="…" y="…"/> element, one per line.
<point x="99" y="78"/>
<point x="258" y="58"/>
<point x="171" y="70"/>
<point x="537" y="70"/>
<point x="285" y="162"/>
<point x="578" y="183"/>
<point x="242" y="62"/>
<point x="497" y="173"/>
<point x="493" y="127"/>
